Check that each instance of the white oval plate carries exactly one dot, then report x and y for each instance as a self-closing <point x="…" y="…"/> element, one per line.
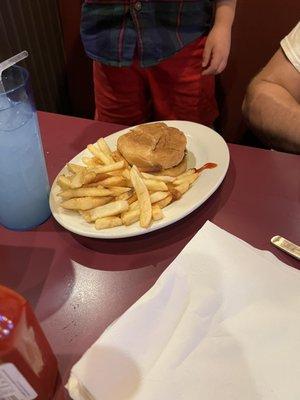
<point x="203" y="145"/>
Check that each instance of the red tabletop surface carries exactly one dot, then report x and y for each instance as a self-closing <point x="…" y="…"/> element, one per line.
<point x="78" y="286"/>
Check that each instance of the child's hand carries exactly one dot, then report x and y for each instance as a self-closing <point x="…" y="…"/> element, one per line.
<point x="216" y="50"/>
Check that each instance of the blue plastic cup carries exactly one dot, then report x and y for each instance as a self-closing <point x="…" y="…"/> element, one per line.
<point x="24" y="185"/>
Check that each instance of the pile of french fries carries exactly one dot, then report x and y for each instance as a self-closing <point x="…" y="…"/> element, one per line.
<point x="108" y="192"/>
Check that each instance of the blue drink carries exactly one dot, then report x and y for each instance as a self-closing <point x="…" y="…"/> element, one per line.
<point x="24" y="186"/>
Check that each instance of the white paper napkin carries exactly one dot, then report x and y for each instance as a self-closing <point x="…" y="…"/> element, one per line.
<point x="221" y="323"/>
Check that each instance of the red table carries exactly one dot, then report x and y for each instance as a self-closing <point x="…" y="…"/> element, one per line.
<point x="78" y="286"/>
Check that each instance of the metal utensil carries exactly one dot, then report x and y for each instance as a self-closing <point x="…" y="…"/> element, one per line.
<point x="285" y="245"/>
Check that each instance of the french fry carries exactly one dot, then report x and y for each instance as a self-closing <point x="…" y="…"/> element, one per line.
<point x="119" y="190"/>
<point x="105" y="149"/>
<point x="85" y="203"/>
<point x="134" y="205"/>
<point x="176" y="194"/>
<point x="155" y="186"/>
<point x="118" y="172"/>
<point x="97" y="177"/>
<point x="157" y="196"/>
<point x="91" y="162"/>
<point x="165" y="202"/>
<point x="154" y="198"/>
<point x="183" y="187"/>
<point x="94" y="185"/>
<point x="158" y="177"/>
<point x="124" y="196"/>
<point x="91" y="177"/>
<point x="188" y="172"/>
<point x="86" y="215"/>
<point x="75" y="168"/>
<point x="143" y="197"/>
<point x="129" y="183"/>
<point x="85" y="192"/>
<point x="78" y="179"/>
<point x="99" y="154"/>
<point x="107" y="222"/>
<point x="114" y="181"/>
<point x="108" y="210"/>
<point x="178" y="191"/>
<point x="132" y="199"/>
<point x="130" y="217"/>
<point x="64" y="182"/>
<point x="108" y="168"/>
<point x="157" y="213"/>
<point x="117" y="156"/>
<point x="126" y="174"/>
<point x="186" y="179"/>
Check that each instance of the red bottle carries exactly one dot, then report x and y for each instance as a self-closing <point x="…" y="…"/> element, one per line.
<point x="28" y="368"/>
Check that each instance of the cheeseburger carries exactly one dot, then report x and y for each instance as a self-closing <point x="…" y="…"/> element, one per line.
<point x="155" y="148"/>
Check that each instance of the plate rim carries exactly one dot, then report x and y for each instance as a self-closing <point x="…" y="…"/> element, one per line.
<point x="99" y="234"/>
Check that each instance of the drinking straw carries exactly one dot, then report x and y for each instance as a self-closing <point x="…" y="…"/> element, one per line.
<point x="8" y="63"/>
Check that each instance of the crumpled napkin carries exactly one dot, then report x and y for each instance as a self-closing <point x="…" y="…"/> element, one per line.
<point x="221" y="323"/>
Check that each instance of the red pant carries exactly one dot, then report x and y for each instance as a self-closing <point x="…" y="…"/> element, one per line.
<point x="173" y="89"/>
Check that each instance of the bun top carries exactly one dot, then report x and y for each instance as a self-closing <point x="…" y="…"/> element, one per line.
<point x="153" y="147"/>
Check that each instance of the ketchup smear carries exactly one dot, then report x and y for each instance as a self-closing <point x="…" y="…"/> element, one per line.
<point x="209" y="165"/>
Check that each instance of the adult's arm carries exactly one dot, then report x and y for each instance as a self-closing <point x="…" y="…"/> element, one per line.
<point x="272" y="104"/>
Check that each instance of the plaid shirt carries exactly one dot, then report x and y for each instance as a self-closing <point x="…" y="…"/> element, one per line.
<point x="111" y="29"/>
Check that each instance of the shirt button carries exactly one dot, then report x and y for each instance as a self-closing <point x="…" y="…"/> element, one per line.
<point x="138" y="6"/>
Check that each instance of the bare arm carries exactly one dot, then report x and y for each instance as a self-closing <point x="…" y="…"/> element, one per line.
<point x="272" y="104"/>
<point x="225" y="10"/>
<point x="218" y="42"/>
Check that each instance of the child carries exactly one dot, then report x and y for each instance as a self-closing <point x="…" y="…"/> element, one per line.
<point x="156" y="59"/>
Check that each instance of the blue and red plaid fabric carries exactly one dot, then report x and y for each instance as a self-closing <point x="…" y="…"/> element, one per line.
<point x="112" y="30"/>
